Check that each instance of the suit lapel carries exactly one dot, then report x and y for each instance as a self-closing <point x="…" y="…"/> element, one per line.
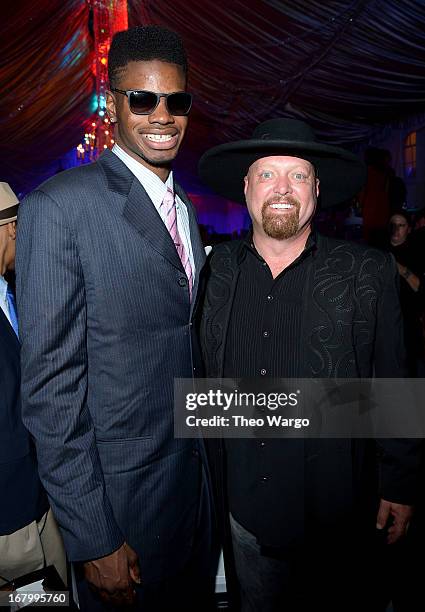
<point x="138" y="208"/>
<point x="142" y="214"/>
<point x="140" y="211"/>
<point x="7" y="331"/>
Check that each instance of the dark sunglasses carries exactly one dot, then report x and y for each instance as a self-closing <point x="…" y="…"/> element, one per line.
<point x="145" y="102"/>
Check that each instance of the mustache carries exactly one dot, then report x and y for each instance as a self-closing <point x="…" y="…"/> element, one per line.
<point x="280" y="199"/>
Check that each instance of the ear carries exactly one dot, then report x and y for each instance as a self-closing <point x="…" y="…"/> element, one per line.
<point x="111" y="106"/>
<point x="317" y="187"/>
<point x="245" y="184"/>
<point x="11" y="230"/>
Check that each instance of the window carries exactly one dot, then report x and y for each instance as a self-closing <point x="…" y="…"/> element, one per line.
<point x="410" y="155"/>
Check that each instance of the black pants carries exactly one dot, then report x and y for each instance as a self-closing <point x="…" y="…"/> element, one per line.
<point x="325" y="574"/>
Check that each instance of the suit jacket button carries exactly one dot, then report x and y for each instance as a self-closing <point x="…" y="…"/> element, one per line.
<point x="182" y="281"/>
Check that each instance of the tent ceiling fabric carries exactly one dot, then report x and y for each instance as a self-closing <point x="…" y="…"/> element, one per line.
<point x="347" y="67"/>
<point x="46" y="83"/>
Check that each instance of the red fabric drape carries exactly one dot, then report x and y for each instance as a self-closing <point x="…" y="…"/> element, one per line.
<point x="45" y="82"/>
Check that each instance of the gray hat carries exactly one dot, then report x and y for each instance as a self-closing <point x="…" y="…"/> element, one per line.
<point x="8" y="204"/>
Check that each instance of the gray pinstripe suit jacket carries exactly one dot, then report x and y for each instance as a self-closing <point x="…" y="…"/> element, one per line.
<point x="105" y="326"/>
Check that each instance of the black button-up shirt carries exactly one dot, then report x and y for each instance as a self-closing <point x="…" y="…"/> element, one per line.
<point x="263" y="340"/>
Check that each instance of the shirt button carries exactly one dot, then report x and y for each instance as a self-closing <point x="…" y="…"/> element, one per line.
<point x="263" y="372"/>
<point x="270" y="298"/>
<point x="262" y="444"/>
<point x="265" y="334"/>
<point x="264" y="478"/>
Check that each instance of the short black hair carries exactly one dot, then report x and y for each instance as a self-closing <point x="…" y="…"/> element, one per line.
<point x="144" y="43"/>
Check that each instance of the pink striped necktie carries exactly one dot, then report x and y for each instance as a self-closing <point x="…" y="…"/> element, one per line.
<point x="168" y="210"/>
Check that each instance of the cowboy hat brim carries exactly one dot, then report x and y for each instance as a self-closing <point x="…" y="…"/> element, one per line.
<point x="341" y="173"/>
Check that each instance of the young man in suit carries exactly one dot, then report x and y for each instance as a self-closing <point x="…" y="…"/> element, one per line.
<point x="29" y="537"/>
<point x="108" y="263"/>
<point x="299" y="516"/>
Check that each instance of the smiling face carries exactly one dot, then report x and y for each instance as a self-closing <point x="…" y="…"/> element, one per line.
<point x="281" y="195"/>
<point x="154" y="139"/>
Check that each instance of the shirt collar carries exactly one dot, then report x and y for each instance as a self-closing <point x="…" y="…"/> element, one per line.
<point x="152" y="184"/>
<point x="3" y="289"/>
<point x="310" y="245"/>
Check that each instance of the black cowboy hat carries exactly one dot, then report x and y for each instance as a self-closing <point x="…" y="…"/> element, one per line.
<point x="341" y="173"/>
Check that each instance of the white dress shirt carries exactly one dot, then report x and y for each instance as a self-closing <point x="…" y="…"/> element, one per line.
<point x="4" y="304"/>
<point x="156" y="190"/>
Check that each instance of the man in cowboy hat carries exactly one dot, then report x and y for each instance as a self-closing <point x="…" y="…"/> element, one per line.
<point x="299" y="515"/>
<point x="29" y="537"/>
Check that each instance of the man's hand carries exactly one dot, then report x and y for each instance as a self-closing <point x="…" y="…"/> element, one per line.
<point x="401" y="515"/>
<point x="112" y="577"/>
<point x="412" y="280"/>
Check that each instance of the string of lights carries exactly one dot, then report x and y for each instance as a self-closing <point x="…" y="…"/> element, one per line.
<point x="109" y="16"/>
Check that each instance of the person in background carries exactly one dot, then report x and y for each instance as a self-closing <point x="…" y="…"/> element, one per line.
<point x="420" y="219"/>
<point x="29" y="536"/>
<point x="411" y="270"/>
<point x="417" y="237"/>
<point x="407" y="246"/>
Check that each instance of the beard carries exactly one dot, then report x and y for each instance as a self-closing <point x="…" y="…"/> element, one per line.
<point x="277" y="225"/>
